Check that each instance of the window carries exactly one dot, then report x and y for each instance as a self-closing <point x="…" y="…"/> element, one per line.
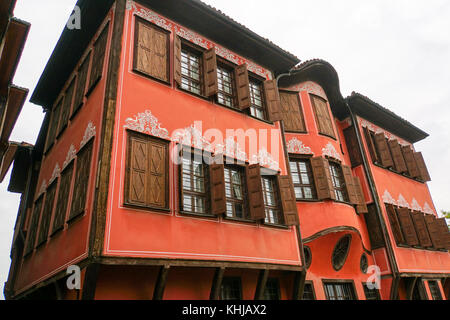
<point x="147" y="172"/>
<point x="339" y="291"/>
<point x="419" y="292"/>
<point x="191" y="71"/>
<point x="235" y="189"/>
<point x="81" y="84"/>
<point x="63" y="195"/>
<point x="371" y="294"/>
<point x="33" y="225"/>
<point x="434" y="289"/>
<point x="151" y="50"/>
<point x="308" y="292"/>
<point x="352" y="144"/>
<point x="363" y="263"/>
<point x="195" y="186"/>
<point x="303" y="179"/>
<point x="324" y="122"/>
<point x="257" y="108"/>
<point x="271" y="200"/>
<point x="338" y="182"/>
<point x="272" y="290"/>
<point x="53" y="125"/>
<point x="308" y="256"/>
<point x="98" y="58"/>
<point x="47" y="213"/>
<point x="83" y="169"/>
<point x="340" y="252"/>
<point x="292" y="113"/>
<point x="231" y="289"/>
<point x="65" y="112"/>
<point x="226" y="89"/>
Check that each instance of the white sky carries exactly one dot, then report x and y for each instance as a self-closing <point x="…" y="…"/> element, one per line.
<point x="395" y="52"/>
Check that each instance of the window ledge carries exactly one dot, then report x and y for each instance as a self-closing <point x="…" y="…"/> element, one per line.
<point x="239" y="219"/>
<point x="149" y="208"/>
<point x="198" y="215"/>
<point x="280" y="226"/>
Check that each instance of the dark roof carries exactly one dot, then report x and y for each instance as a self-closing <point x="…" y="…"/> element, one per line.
<point x="382" y="117"/>
<point x="193" y="14"/>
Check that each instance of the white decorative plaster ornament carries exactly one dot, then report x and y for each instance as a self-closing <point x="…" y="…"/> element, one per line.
<point x="89" y="133"/>
<point x="55" y="174"/>
<point x="265" y="159"/>
<point x="427" y="209"/>
<point x="387" y="198"/>
<point x="296" y="146"/>
<point x="147" y="123"/>
<point x="331" y="152"/>
<point x="415" y="205"/>
<point x="401" y="202"/>
<point x="71" y="154"/>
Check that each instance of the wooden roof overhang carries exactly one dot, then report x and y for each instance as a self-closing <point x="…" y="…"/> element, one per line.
<point x="193" y="14"/>
<point x="13" y="107"/>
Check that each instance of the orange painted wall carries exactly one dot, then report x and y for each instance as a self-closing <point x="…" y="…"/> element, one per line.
<point x="171" y="235"/>
<point x="69" y="246"/>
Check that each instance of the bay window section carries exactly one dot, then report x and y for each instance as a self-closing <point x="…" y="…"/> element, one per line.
<point x="303" y="179"/>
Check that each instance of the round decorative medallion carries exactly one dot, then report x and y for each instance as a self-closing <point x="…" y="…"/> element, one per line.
<point x="364" y="263"/>
<point x="308" y="256"/>
<point x="340" y="252"/>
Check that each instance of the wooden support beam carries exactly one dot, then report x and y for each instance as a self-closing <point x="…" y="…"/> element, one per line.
<point x="261" y="286"/>
<point x="161" y="282"/>
<point x="299" y="285"/>
<point x="410" y="283"/>
<point x="216" y="284"/>
<point x="394" y="288"/>
<point x="90" y="281"/>
<point x="59" y="295"/>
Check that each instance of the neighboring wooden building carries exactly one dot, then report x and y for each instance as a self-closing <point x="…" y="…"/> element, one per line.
<point x="126" y="179"/>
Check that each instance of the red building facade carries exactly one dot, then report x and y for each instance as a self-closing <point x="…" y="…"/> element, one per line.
<point x="178" y="162"/>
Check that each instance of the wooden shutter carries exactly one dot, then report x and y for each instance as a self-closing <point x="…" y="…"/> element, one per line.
<point x="288" y="201"/>
<point x="242" y="86"/>
<point x="443" y="233"/>
<point x="421" y="229"/>
<point x="352" y="146"/>
<point x="291" y="110"/>
<point x="53" y="125"/>
<point x="395" y="225"/>
<point x="151" y="50"/>
<point x="272" y="100"/>
<point x="423" y="171"/>
<point x="83" y="168"/>
<point x="47" y="214"/>
<point x="255" y="193"/>
<point x="157" y="184"/>
<point x="217" y="182"/>
<point x="361" y="206"/>
<point x="322" y="178"/>
<point x="65" y="111"/>
<point x="322" y="114"/>
<point x="374" y="227"/>
<point x="81" y="84"/>
<point x="411" y="164"/>
<point x="383" y="150"/>
<point x="138" y="171"/>
<point x="210" y="72"/>
<point x="371" y="145"/>
<point x="349" y="184"/>
<point x="32" y="227"/>
<point x="177" y="60"/>
<point x="407" y="227"/>
<point x="63" y="195"/>
<point x="396" y="151"/>
<point x="434" y="231"/>
<point x="98" y="58"/>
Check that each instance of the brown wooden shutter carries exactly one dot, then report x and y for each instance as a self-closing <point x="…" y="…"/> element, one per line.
<point x="53" y="126"/>
<point x="371" y="145"/>
<point x="157" y="184"/>
<point x="361" y="206"/>
<point x="98" y="58"/>
<point x="383" y="150"/>
<point x="83" y="169"/>
<point x="443" y="233"/>
<point x="272" y="100"/>
<point x="434" y="231"/>
<point x="32" y="228"/>
<point x="292" y="114"/>
<point x="255" y="193"/>
<point x="217" y="182"/>
<point x="65" y="111"/>
<point x="210" y="72"/>
<point x="396" y="150"/>
<point x="411" y="164"/>
<point x="324" y="122"/>
<point x="288" y="201"/>
<point x="81" y="84"/>
<point x="395" y="225"/>
<point x="63" y="195"/>
<point x="421" y="229"/>
<point x="322" y="178"/>
<point x="423" y="171"/>
<point x="177" y="60"/>
<point x="242" y="86"/>
<point x="47" y="214"/>
<point x="349" y="184"/>
<point x="138" y="171"/>
<point x="407" y="227"/>
<point x="374" y="227"/>
<point x="352" y="146"/>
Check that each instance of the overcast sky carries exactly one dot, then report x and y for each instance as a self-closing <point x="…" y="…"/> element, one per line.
<point x="395" y="52"/>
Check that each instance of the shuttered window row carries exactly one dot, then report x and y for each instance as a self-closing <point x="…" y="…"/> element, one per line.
<point x="390" y="154"/>
<point x="416" y="229"/>
<point x="56" y="200"/>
